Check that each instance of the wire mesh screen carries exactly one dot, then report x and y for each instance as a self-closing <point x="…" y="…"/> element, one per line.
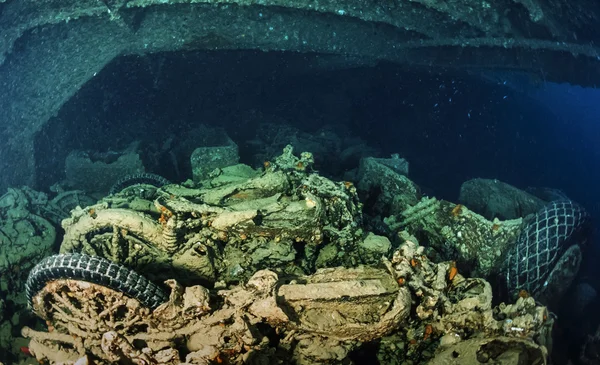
<point x="542" y="242"/>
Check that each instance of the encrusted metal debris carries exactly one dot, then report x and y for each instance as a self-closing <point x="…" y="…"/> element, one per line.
<point x="262" y="270"/>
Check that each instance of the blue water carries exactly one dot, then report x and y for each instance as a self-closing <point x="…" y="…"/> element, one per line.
<point x="576" y="122"/>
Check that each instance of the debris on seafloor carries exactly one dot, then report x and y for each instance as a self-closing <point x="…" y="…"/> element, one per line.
<point x="285" y="218"/>
<point x="319" y="318"/>
<point x="27" y="235"/>
<point x="221" y="152"/>
<point x="96" y="172"/>
<point x="450" y="231"/>
<point x="454" y="232"/>
<point x="540" y="255"/>
<point x="496" y="199"/>
<point x="384" y="181"/>
<point x="28" y="229"/>
<point x="264" y="266"/>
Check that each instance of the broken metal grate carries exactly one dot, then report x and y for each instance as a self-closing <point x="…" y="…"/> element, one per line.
<point x="542" y="243"/>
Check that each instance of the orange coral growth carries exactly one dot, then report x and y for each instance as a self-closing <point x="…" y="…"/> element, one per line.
<point x="163" y="219"/>
<point x="166" y="212"/>
<point x="453" y="271"/>
<point x="457" y="210"/>
<point x="428" y="331"/>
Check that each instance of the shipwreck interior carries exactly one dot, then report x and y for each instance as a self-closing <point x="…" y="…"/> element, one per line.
<point x="348" y="181"/>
